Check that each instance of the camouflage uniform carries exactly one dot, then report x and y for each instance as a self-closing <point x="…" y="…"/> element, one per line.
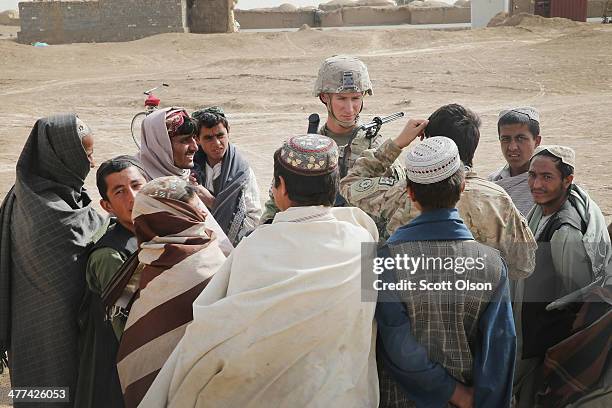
<point x="486" y="208"/>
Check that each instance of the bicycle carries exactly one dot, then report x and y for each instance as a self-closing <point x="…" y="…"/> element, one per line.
<point x="151" y="105"/>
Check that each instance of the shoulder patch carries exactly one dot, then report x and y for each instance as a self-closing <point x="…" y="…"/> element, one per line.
<point x="364" y="185"/>
<point x="386" y="181"/>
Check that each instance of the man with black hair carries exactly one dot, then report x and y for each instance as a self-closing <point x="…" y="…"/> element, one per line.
<point x="168" y="145"/>
<point x="283" y="315"/>
<point x="485" y="207"/>
<point x="468" y="334"/>
<point x="226" y="182"/>
<point x="118" y="181"/>
<point x="519" y="135"/>
<point x="573" y="251"/>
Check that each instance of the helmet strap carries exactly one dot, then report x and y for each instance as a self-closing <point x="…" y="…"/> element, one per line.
<point x="330" y="112"/>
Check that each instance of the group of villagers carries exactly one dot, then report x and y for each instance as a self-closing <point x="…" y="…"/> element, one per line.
<point x="186" y="295"/>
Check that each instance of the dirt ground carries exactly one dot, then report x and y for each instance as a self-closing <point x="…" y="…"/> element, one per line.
<point x="264" y="81"/>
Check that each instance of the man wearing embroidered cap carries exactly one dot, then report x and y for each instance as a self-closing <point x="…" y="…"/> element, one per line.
<point x="283" y="316"/>
<point x="342" y="83"/>
<point x="468" y="334"/>
<point x="573" y="252"/>
<point x="519" y="135"/>
<point x="485" y="207"/>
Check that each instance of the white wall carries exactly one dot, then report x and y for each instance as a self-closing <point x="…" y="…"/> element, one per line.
<point x="484" y="10"/>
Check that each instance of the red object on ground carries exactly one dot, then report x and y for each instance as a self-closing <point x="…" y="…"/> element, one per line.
<point x="573" y="9"/>
<point x="152" y="100"/>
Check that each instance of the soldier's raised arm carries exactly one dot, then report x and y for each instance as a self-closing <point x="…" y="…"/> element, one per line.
<point x="368" y="185"/>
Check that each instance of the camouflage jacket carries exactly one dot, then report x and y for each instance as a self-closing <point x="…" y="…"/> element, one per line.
<point x="359" y="144"/>
<point x="486" y="208"/>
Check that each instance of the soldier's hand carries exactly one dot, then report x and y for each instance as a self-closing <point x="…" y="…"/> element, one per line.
<point x="413" y="129"/>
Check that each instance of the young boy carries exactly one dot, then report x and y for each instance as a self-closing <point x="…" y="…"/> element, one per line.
<point x="457" y="304"/>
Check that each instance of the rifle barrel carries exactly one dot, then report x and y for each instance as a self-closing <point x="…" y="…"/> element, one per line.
<point x="392" y="117"/>
<point x="380" y="121"/>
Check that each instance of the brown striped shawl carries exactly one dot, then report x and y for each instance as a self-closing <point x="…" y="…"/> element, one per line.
<point x="576" y="366"/>
<point x="179" y="256"/>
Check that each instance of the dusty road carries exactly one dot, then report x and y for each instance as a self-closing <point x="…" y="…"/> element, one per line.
<point x="264" y="82"/>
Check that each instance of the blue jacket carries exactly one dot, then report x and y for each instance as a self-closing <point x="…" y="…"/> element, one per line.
<point x="425" y="382"/>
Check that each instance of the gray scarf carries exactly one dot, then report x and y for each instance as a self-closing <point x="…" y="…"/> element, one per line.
<point x="46" y="225"/>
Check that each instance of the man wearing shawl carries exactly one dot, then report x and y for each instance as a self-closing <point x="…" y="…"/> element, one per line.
<point x="178" y="256"/>
<point x="118" y="181"/>
<point x="282" y="323"/>
<point x="519" y="135"/>
<point x="46" y="224"/>
<point x="468" y="333"/>
<point x="223" y="172"/>
<point x="167" y="148"/>
<point x="168" y="143"/>
<point x="573" y="252"/>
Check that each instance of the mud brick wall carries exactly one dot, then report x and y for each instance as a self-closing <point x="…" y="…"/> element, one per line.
<point x="355" y="16"/>
<point x="60" y="22"/>
<point x="352" y="16"/>
<point x="595" y="8"/>
<point x="440" y="15"/>
<point x="210" y="16"/>
<point x="274" y="19"/>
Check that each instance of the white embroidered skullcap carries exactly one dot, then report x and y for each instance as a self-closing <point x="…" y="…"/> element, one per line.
<point x="434" y="159"/>
<point x="530" y="112"/>
<point x="564" y="153"/>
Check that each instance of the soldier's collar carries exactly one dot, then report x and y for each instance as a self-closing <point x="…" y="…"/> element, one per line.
<point x="325" y="131"/>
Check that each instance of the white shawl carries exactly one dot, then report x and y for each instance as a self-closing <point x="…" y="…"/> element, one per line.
<point x="282" y="323"/>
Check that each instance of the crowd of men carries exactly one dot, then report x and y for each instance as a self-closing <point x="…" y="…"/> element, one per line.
<point x="188" y="295"/>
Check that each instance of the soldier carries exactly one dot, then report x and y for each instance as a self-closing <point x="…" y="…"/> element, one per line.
<point x="485" y="207"/>
<point x="341" y="85"/>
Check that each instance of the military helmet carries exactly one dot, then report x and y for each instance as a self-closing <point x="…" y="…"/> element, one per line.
<point x="342" y="73"/>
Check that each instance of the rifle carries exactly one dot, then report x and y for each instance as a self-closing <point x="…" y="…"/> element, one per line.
<point x="313" y="123"/>
<point x="372" y="128"/>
